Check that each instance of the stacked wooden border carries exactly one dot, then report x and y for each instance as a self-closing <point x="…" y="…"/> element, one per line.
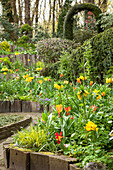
<point x="22" y="58"/>
<point x="21" y="106"/>
<point x="9" y="130"/>
<point x="21" y="160"/>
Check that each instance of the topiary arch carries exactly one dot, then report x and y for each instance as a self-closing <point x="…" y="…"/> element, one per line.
<point x="68" y="22"/>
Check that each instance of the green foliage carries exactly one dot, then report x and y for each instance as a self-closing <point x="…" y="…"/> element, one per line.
<point x="9" y="31"/>
<point x="40" y="34"/>
<point x="33" y="138"/>
<point x="66" y="67"/>
<point x="49" y="50"/>
<point x="100" y="59"/>
<point x="5" y="46"/>
<point x="26" y="28"/>
<point x="51" y="69"/>
<point x="106" y="20"/>
<point x="24" y="39"/>
<point x="68" y="22"/>
<point x="62" y="15"/>
<point x="80" y="35"/>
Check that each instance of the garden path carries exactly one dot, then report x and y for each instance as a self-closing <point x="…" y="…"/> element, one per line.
<point x="30" y="114"/>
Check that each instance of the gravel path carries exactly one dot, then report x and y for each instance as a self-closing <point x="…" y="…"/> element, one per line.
<point x="30" y="114"/>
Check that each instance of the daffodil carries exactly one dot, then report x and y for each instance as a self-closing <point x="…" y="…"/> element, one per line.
<point x="85" y="93"/>
<point x="5" y="73"/>
<point x="29" y="79"/>
<point x="45" y="79"/>
<point x="25" y="76"/>
<point x="5" y="69"/>
<point x="38" y="69"/>
<point x="79" y="95"/>
<point x="95" y="92"/>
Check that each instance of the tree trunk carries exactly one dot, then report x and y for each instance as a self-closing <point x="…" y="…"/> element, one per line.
<point x="20" y="13"/>
<point x="53" y="31"/>
<point x="27" y="12"/>
<point x="13" y="4"/>
<point x="37" y="4"/>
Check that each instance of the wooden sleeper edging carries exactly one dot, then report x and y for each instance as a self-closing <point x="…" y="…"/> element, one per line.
<point x="22" y="106"/>
<point x="24" y="160"/>
<point x="9" y="130"/>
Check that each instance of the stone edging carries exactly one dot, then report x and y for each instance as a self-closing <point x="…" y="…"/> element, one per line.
<point x="9" y="130"/>
<point x="21" y="106"/>
<point x="18" y="159"/>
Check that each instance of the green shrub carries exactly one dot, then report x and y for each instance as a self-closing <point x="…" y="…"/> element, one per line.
<point x="40" y="34"/>
<point x="49" y="50"/>
<point x="23" y="39"/>
<point x="26" y="28"/>
<point x="106" y="20"/>
<point x="100" y="60"/>
<point x="5" y="46"/>
<point x="79" y="36"/>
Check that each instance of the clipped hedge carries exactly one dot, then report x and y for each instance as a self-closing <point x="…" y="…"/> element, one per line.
<point x="49" y="50"/>
<point x="68" y="22"/>
<point x="101" y="58"/>
<point x="64" y="10"/>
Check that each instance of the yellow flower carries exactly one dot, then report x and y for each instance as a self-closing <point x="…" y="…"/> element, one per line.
<point x="38" y="69"/>
<point x="11" y="71"/>
<point x="66" y="82"/>
<point x="79" y="95"/>
<point x="91" y="126"/>
<point x="28" y="59"/>
<point x="5" y="69"/>
<point x="61" y="86"/>
<point x="40" y="81"/>
<point x="55" y="85"/>
<point x="29" y="79"/>
<point x="99" y="97"/>
<point x="95" y="92"/>
<point x="25" y="76"/>
<point x="5" y="73"/>
<point x="83" y="78"/>
<point x="45" y="79"/>
<point x="78" y="80"/>
<point x="86" y="93"/>
<point x="17" y="53"/>
<point x="58" y="87"/>
<point x="59" y="108"/>
<point x="109" y="80"/>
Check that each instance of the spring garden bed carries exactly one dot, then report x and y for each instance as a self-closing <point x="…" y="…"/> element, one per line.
<point x="80" y="124"/>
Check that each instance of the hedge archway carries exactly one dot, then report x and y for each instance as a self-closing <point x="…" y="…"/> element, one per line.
<point x="68" y="22"/>
<point x="64" y="10"/>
